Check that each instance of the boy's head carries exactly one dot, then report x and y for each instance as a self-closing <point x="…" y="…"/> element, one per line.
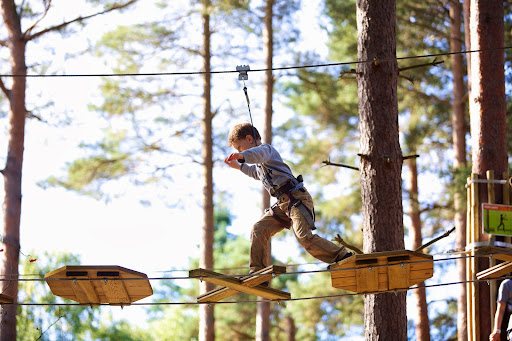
<point x="241" y="132"/>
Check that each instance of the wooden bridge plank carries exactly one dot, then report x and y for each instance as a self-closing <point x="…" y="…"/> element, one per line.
<point x="248" y="284"/>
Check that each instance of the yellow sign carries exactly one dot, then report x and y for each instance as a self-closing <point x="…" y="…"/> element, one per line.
<point x="497" y="219"/>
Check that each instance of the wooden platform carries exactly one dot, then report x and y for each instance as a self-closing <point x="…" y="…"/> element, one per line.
<point x="499" y="270"/>
<point x="97" y="284"/>
<point x="230" y="286"/>
<point x="381" y="271"/>
<point x="6" y="299"/>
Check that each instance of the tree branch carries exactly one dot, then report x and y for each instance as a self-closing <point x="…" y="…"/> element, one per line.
<point x="446" y="234"/>
<point x="340" y="240"/>
<point x="329" y="163"/>
<point x="29" y="36"/>
<point x="46" y="8"/>
<point x="4" y="89"/>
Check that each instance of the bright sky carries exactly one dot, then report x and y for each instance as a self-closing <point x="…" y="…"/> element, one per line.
<point x="123" y="232"/>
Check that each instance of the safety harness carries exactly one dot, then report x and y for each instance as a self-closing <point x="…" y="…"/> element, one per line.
<point x="287" y="189"/>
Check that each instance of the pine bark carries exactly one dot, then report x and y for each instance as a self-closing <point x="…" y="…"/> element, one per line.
<point x="381" y="158"/>
<point x="13" y="168"/>
<point x="263" y="324"/>
<point x="488" y="116"/>
<point x="206" y="312"/>
<point x="459" y="149"/>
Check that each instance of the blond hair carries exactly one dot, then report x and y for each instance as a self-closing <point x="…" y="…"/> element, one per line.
<point x="240" y="131"/>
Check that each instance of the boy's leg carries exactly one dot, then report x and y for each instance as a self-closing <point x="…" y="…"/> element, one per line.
<point x="261" y="233"/>
<point x="318" y="247"/>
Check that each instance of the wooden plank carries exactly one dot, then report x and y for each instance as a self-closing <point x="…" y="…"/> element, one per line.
<point x="232" y="285"/>
<point x="78" y="294"/>
<point x="247" y="284"/>
<point x="6" y="299"/>
<point x="398" y="276"/>
<point x="250" y="282"/>
<point x="367" y="280"/>
<point x="503" y="256"/>
<point x="268" y="293"/>
<point x="116" y="292"/>
<point x="495" y="271"/>
<point x="90" y="293"/>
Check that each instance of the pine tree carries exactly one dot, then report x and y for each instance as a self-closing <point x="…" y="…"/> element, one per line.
<point x="381" y="157"/>
<point x="487" y="107"/>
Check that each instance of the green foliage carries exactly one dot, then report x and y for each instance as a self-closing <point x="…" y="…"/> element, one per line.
<point x="332" y="315"/>
<point x="120" y="330"/>
<point x="68" y="322"/>
<point x="177" y="323"/>
<point x="444" y="323"/>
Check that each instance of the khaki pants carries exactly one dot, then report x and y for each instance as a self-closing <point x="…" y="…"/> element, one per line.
<point x="268" y="226"/>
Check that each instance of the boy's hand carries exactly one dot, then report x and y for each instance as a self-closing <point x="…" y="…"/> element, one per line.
<point x="232" y="160"/>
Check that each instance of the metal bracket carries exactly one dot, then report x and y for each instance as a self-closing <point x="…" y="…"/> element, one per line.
<point x="242" y="69"/>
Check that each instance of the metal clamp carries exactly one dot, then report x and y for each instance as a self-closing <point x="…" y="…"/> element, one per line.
<point x="242" y="69"/>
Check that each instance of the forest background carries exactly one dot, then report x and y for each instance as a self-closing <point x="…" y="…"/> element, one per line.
<point x="144" y="211"/>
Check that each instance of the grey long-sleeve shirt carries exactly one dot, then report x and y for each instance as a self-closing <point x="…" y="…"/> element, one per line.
<point x="275" y="172"/>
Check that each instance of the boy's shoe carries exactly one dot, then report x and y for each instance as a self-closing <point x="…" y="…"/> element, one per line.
<point x="345" y="256"/>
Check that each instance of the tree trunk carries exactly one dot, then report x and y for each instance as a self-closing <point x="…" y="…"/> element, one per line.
<point x="13" y="168"/>
<point x="467" y="37"/>
<point x="291" y="330"/>
<point x="206" y="315"/>
<point x="459" y="149"/>
<point x="487" y="111"/>
<point x="381" y="158"/>
<point x="419" y="295"/>
<point x="263" y="313"/>
<point x="488" y="104"/>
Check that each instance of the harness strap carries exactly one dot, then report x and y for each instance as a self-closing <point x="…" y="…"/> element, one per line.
<point x="303" y="209"/>
<point x="283" y="222"/>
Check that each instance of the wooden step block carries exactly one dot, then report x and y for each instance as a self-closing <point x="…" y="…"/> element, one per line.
<point x="381" y="271"/>
<point x="230" y="286"/>
<point x="97" y="284"/>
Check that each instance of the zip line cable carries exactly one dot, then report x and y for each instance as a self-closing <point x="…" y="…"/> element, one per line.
<point x="256" y="301"/>
<point x="3" y="278"/>
<point x="395" y="291"/>
<point x="229" y="276"/>
<point x="185" y="73"/>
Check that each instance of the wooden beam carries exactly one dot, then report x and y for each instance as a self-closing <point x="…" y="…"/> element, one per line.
<point x="248" y="284"/>
<point x="495" y="271"/>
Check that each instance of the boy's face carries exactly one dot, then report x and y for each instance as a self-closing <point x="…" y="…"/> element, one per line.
<point x="243" y="144"/>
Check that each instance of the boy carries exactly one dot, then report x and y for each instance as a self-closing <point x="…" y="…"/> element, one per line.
<point x="294" y="207"/>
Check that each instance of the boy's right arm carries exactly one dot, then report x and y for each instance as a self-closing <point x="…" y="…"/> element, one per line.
<point x="233" y="160"/>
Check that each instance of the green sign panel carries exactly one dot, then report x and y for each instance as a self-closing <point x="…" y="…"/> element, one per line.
<point x="497" y="219"/>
